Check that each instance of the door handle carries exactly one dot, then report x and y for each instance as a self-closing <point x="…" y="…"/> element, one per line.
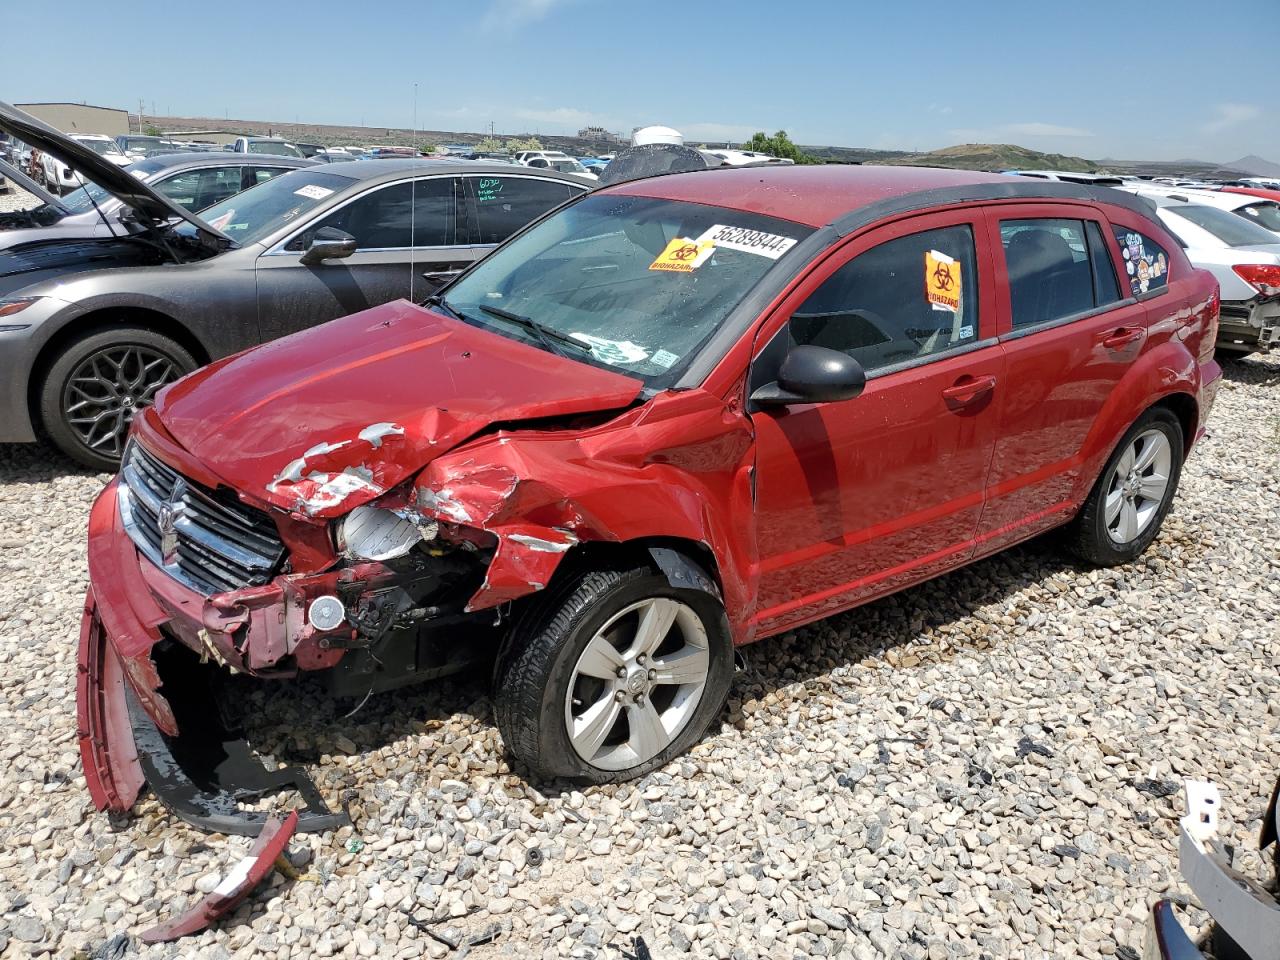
<point x="1121" y="338"/>
<point x="440" y="274"/>
<point x="967" y="389"/>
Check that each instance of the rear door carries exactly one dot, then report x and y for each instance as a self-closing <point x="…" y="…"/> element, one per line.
<point x="500" y="204"/>
<point x="858" y="498"/>
<point x="402" y="229"/>
<point x="1070" y="329"/>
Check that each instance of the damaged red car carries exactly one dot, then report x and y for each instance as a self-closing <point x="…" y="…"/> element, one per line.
<point x="674" y="416"/>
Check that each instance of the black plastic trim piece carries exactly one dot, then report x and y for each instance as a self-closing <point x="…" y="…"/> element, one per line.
<point x="1019" y="332"/>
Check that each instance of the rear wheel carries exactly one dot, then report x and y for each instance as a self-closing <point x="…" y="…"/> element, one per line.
<point x="1129" y="502"/>
<point x="612" y="676"/>
<point x="99" y="382"/>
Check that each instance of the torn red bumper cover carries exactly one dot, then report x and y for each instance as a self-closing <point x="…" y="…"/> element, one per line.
<point x="127" y="728"/>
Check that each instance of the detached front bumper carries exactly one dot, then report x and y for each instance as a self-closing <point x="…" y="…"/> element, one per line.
<point x="1247" y="912"/>
<point x="1250" y="325"/>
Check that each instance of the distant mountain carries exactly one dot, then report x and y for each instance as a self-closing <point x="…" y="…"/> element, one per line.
<point x="1255" y="166"/>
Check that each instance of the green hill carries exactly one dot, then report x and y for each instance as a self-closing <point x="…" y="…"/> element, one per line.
<point x="996" y="156"/>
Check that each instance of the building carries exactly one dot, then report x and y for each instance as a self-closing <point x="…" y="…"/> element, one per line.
<point x="80" y="117"/>
<point x="598" y="135"/>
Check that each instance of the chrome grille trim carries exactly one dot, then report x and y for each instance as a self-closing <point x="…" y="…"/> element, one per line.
<point x="203" y="542"/>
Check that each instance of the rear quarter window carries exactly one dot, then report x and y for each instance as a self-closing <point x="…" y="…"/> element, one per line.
<point x="1146" y="263"/>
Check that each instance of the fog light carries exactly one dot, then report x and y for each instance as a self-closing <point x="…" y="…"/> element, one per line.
<point x="326" y="613"/>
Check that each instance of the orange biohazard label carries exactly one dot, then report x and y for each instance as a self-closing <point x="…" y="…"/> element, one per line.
<point x="683" y="255"/>
<point x="942" y="281"/>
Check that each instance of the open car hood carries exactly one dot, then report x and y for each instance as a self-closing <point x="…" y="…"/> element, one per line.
<point x="151" y="207"/>
<point x="324" y="420"/>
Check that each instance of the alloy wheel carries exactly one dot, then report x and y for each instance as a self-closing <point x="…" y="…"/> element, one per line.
<point x="637" y="683"/>
<point x="108" y="387"/>
<point x="1137" y="486"/>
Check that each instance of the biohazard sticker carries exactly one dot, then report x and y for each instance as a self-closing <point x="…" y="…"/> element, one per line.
<point x="942" y="281"/>
<point x="762" y="244"/>
<point x="683" y="255"/>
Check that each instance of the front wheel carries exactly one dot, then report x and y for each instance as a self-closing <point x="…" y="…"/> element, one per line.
<point x="1127" y="505"/>
<point x="613" y="675"/>
<point x="99" y="382"/>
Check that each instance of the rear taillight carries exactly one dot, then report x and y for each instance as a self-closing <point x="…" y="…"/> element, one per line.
<point x="1263" y="277"/>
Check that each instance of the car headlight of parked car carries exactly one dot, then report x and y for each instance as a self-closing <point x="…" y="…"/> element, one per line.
<point x="375" y="533"/>
<point x="13" y="307"/>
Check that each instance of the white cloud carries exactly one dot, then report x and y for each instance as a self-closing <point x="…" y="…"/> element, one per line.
<point x="939" y="108"/>
<point x="1227" y="115"/>
<point x="510" y="14"/>
<point x="1013" y="131"/>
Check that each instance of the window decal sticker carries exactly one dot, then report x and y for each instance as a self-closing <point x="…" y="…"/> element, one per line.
<point x="664" y="358"/>
<point x="613" y="352"/>
<point x="683" y="255"/>
<point x="312" y="192"/>
<point x="942" y="281"/>
<point x="762" y="244"/>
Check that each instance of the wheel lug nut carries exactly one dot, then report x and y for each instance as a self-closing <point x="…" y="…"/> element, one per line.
<point x="620" y="696"/>
<point x="653" y="674"/>
<point x="622" y="673"/>
<point x="641" y="658"/>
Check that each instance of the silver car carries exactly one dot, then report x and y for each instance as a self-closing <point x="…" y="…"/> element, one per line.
<point x="82" y="350"/>
<point x="191" y="180"/>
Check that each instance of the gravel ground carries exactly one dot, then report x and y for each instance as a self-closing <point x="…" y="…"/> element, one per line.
<point x="981" y="766"/>
<point x="15" y="198"/>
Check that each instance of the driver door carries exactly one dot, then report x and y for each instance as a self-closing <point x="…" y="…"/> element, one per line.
<point x="402" y="230"/>
<point x="861" y="497"/>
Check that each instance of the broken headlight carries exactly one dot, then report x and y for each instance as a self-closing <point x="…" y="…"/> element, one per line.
<point x="375" y="533"/>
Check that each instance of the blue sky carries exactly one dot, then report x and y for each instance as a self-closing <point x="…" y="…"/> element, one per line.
<point x="1097" y="79"/>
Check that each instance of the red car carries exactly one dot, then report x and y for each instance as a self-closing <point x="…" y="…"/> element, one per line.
<point x="677" y="415"/>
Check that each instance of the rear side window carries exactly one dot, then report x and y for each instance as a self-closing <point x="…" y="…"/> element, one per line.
<point x="902" y="300"/>
<point x="1264" y="214"/>
<point x="1057" y="269"/>
<point x="1145" y="261"/>
<point x="505" y="204"/>
<point x="197" y="189"/>
<point x="414" y="213"/>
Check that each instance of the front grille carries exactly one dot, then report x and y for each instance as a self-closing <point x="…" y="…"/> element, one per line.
<point x="207" y="541"/>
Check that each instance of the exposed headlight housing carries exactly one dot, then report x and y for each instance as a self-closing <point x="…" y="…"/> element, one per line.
<point x="374" y="533"/>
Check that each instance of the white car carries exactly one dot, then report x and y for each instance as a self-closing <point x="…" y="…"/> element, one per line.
<point x="553" y="160"/>
<point x="1243" y="257"/>
<point x="1070" y="176"/>
<point x="1265" y="213"/>
<point x="744" y="158"/>
<point x="60" y="178"/>
<point x="272" y="146"/>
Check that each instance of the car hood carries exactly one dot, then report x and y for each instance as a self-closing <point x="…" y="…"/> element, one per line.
<point x="52" y="257"/>
<point x="322" y="421"/>
<point x="145" y="202"/>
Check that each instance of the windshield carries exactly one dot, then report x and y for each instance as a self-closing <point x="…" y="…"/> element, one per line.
<point x="82" y="199"/>
<point x="276" y="148"/>
<point x="568" y="166"/>
<point x="640" y="283"/>
<point x="258" y="212"/>
<point x="1232" y="230"/>
<point x="101" y="147"/>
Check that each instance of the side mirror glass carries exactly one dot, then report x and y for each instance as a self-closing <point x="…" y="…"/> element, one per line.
<point x="329" y="243"/>
<point x="810" y="374"/>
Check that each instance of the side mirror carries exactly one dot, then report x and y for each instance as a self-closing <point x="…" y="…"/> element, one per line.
<point x="329" y="243"/>
<point x="813" y="375"/>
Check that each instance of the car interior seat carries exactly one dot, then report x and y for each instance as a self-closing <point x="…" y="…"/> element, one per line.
<point x="1045" y="280"/>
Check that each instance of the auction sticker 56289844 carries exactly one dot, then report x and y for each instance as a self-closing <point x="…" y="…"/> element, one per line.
<point x="747" y="241"/>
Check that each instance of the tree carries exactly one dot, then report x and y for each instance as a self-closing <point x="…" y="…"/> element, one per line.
<point x="151" y="130"/>
<point x="779" y="145"/>
<point x="489" y="145"/>
<point x="515" y="144"/>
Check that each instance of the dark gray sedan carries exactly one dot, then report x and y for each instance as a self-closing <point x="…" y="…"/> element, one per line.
<point x="81" y="351"/>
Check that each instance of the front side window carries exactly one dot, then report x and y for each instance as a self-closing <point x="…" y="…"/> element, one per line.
<point x="1145" y="261"/>
<point x="899" y="301"/>
<point x="505" y="204"/>
<point x="635" y="284"/>
<point x="1056" y="269"/>
<point x="263" y="174"/>
<point x="415" y="213"/>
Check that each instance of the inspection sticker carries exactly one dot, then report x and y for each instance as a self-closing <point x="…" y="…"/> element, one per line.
<point x="664" y="358"/>
<point x="942" y="281"/>
<point x="682" y="255"/>
<point x="312" y="192"/>
<point x="747" y="241"/>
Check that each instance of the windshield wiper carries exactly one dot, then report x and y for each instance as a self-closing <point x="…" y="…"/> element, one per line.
<point x="542" y="333"/>
<point x="438" y="300"/>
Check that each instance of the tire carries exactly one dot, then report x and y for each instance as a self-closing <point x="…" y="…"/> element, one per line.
<point x="1108" y="538"/>
<point x="110" y="374"/>
<point x="544" y="655"/>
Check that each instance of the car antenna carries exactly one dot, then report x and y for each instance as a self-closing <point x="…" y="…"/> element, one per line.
<point x="413" y="193"/>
